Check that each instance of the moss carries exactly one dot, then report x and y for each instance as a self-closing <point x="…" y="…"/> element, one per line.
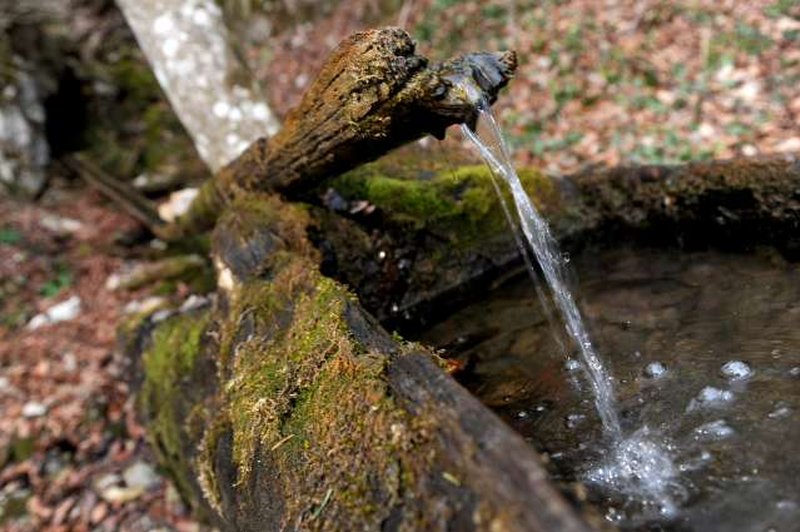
<point x="168" y="364"/>
<point x="461" y="203"/>
<point x="272" y="368"/>
<point x="301" y="393"/>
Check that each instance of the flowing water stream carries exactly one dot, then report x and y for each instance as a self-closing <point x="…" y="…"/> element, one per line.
<point x="636" y="465"/>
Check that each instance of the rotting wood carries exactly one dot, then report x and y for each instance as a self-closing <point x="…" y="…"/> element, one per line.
<point x="284" y="404"/>
<point x="373" y="94"/>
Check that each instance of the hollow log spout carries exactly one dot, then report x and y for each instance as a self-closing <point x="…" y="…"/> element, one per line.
<point x="373" y="94"/>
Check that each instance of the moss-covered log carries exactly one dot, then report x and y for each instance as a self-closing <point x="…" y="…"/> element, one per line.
<point x="428" y="241"/>
<point x="286" y="406"/>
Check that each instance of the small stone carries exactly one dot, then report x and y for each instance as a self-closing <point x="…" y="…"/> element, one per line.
<point x="60" y="225"/>
<point x="140" y="475"/>
<point x="177" y="204"/>
<point x="161" y="315"/>
<point x="98" y="513"/>
<point x="573" y="420"/>
<point x="781" y="410"/>
<point x="120" y="495"/>
<point x="789" y="145"/>
<point x="147" y="305"/>
<point x="70" y="362"/>
<point x="106" y="481"/>
<point x="736" y="370"/>
<point x="193" y="302"/>
<point x="748" y="150"/>
<point x="64" y="311"/>
<point x="33" y="409"/>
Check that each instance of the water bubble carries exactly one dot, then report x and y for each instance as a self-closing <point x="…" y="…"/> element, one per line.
<point x="655" y="370"/>
<point x="795" y="371"/>
<point x="781" y="410"/>
<point x="714" y="430"/>
<point x="566" y="258"/>
<point x="786" y="505"/>
<point x="696" y="462"/>
<point x="710" y="396"/>
<point x="572" y="365"/>
<point x="522" y="414"/>
<point x="736" y="370"/>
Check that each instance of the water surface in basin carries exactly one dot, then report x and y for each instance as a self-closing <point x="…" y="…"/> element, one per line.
<point x="705" y="352"/>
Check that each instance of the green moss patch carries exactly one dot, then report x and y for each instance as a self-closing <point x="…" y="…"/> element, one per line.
<point x="461" y="203"/>
<point x="168" y="366"/>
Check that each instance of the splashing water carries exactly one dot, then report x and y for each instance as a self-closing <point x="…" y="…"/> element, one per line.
<point x="545" y="248"/>
<point x="636" y="465"/>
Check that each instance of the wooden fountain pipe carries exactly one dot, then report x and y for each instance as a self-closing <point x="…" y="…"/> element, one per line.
<point x="373" y="94"/>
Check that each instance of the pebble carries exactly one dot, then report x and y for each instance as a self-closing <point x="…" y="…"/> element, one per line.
<point x="781" y="410"/>
<point x="64" y="311"/>
<point x="121" y="495"/>
<point x="736" y="370"/>
<point x="145" y="306"/>
<point x="177" y="204"/>
<point x="573" y="420"/>
<point x="140" y="475"/>
<point x="193" y="302"/>
<point x="60" y="225"/>
<point x="98" y="513"/>
<point x="106" y="481"/>
<point x="33" y="409"/>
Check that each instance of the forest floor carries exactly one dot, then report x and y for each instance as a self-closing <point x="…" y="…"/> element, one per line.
<point x="641" y="81"/>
